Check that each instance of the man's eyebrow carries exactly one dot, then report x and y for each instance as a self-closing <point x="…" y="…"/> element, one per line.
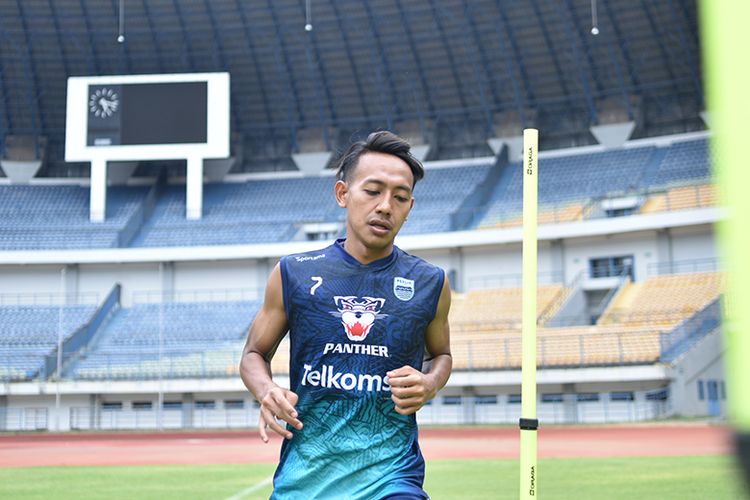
<point x="381" y="183"/>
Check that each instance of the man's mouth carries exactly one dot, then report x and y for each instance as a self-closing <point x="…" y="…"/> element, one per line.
<point x="380" y="226"/>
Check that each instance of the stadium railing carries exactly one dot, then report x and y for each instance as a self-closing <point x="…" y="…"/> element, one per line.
<point x="150" y="363"/>
<point x="49" y="298"/>
<point x="513" y="280"/>
<point x="678" y="341"/>
<point x="142" y="213"/>
<point x="82" y="336"/>
<point x="556" y="304"/>
<point x="196" y="295"/>
<point x="24" y="419"/>
<point x="653" y="200"/>
<point x="710" y="264"/>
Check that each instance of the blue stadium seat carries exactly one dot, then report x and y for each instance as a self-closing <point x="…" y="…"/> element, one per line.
<point x="252" y="212"/>
<point x="270" y="211"/>
<point x="685" y="162"/>
<point x="28" y="333"/>
<point x="570" y="179"/>
<point x="129" y="346"/>
<point x="43" y="217"/>
<point x="440" y="195"/>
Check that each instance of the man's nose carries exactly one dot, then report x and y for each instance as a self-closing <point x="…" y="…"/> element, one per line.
<point x="384" y="206"/>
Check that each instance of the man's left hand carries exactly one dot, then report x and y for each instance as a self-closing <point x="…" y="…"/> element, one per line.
<point x="410" y="389"/>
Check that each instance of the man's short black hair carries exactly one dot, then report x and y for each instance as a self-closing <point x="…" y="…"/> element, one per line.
<point x="379" y="142"/>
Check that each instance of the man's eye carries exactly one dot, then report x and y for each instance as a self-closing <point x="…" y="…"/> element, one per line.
<point x="371" y="192"/>
<point x="402" y="199"/>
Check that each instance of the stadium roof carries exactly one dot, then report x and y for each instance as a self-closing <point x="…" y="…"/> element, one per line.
<point x="446" y="72"/>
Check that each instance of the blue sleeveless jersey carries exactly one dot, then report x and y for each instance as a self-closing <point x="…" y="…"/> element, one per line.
<point x="349" y="324"/>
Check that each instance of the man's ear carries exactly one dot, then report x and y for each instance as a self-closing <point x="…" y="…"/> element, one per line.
<point x="341" y="190"/>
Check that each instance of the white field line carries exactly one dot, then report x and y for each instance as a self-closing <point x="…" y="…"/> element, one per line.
<point x="250" y="489"/>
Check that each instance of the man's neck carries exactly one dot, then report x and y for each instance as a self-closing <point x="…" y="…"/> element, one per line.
<point x="363" y="254"/>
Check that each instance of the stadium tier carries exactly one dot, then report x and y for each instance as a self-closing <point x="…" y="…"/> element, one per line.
<point x="204" y="339"/>
<point x="684" y="161"/>
<point x="28" y="333"/>
<point x="251" y="212"/>
<point x="261" y="212"/>
<point x="497" y="308"/>
<point x="441" y="195"/>
<point x="663" y="301"/>
<point x="39" y="217"/>
<point x="258" y="211"/>
<point x="681" y="198"/>
<point x="643" y="323"/>
<point x="188" y="337"/>
<point x="571" y="179"/>
<point x="558" y="347"/>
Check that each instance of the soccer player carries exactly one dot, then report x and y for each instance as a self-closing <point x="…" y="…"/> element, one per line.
<point x="361" y="314"/>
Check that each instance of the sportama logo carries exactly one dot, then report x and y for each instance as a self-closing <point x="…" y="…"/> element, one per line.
<point x="358" y="315"/>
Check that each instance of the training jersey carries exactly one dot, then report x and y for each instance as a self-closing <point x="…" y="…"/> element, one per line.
<point x="349" y="324"/>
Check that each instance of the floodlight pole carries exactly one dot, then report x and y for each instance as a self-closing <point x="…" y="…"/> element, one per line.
<point x="529" y="479"/>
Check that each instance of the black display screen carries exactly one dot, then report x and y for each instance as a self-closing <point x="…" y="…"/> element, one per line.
<point x="147" y="113"/>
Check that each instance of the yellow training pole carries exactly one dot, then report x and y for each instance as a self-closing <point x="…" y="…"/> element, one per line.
<point x="725" y="38"/>
<point x="528" y="423"/>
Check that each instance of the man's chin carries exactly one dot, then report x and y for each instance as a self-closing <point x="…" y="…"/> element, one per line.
<point x="376" y="242"/>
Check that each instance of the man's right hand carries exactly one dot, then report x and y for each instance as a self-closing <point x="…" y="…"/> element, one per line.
<point x="278" y="404"/>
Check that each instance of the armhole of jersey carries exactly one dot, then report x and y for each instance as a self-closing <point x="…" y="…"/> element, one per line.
<point x="441" y="281"/>
<point x="285" y="287"/>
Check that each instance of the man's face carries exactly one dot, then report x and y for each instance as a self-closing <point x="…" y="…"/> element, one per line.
<point x="378" y="198"/>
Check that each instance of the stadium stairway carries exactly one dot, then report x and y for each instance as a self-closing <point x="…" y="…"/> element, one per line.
<point x="134" y="226"/>
<point x="651" y="171"/>
<point x="690" y="332"/>
<point x="624" y="298"/>
<point x="474" y="206"/>
<point x="446" y="198"/>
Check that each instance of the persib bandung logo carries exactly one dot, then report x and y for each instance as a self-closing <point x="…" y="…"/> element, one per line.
<point x="403" y="288"/>
<point x="358" y="315"/>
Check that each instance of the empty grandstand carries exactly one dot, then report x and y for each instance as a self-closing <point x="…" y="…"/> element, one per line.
<point x="630" y="282"/>
<point x="452" y="197"/>
<point x="166" y="339"/>
<point x="31" y="332"/>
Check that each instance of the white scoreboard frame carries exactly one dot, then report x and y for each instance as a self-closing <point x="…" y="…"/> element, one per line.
<point x="217" y="144"/>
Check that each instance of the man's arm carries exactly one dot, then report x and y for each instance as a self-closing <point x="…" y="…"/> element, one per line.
<point x="412" y="389"/>
<point x="267" y="331"/>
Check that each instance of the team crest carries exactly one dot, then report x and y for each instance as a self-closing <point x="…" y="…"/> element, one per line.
<point x="403" y="288"/>
<point x="358" y="315"/>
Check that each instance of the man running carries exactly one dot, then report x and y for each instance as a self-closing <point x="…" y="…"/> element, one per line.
<point x="361" y="314"/>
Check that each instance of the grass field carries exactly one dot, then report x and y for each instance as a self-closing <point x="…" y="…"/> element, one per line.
<point x="658" y="478"/>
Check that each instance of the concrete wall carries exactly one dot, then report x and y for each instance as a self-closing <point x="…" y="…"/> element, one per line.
<point x="695" y="242"/>
<point x="88" y="412"/>
<point x="642" y="246"/>
<point x="702" y="365"/>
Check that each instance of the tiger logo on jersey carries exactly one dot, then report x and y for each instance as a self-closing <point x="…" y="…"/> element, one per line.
<point x="358" y="314"/>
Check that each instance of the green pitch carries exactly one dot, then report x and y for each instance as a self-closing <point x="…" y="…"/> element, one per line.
<point x="662" y="478"/>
